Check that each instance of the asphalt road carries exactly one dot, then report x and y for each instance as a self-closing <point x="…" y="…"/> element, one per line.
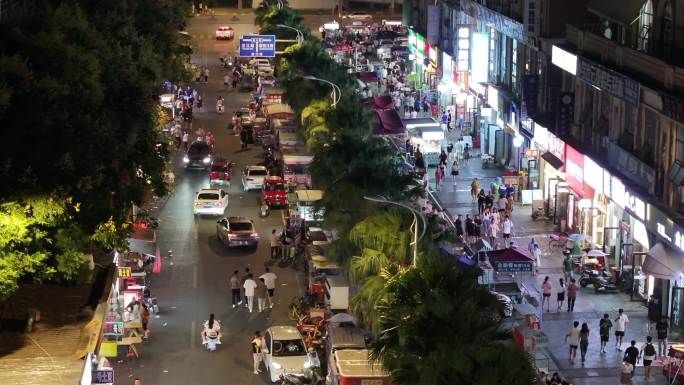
<point x="197" y="284"/>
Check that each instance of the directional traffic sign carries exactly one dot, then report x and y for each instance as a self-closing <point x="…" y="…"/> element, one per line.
<point x="257" y="46"/>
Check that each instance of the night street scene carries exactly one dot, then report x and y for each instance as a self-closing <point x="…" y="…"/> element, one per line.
<point x="332" y="192"/>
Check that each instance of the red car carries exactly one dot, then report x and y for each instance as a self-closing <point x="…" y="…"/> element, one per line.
<point x="274" y="191"/>
<point x="220" y="173"/>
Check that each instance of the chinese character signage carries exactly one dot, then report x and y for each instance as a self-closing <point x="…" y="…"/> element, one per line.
<point x="124" y="272"/>
<point x="610" y="81"/>
<point x="114" y="327"/>
<point x="257" y="46"/>
<point x="102" y="377"/>
<point x="530" y="92"/>
<point x="513" y="267"/>
<point x="632" y="167"/>
<point x="574" y="170"/>
<point x="499" y="22"/>
<point x="565" y="113"/>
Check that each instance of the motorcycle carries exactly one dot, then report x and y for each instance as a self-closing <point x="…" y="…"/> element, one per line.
<point x="587" y="276"/>
<point x="605" y="284"/>
<point x="219" y="107"/>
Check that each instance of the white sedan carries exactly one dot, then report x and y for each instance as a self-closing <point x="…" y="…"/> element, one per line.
<point x="253" y="177"/>
<point x="225" y="33"/>
<point x="284" y="351"/>
<point x="362" y="16"/>
<point x="210" y="202"/>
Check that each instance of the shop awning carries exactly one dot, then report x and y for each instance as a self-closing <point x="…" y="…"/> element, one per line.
<point x="663" y="262"/>
<point x="623" y="12"/>
<point x="381" y="103"/>
<point x="552" y="160"/>
<point x="367" y="77"/>
<point x="389" y="123"/>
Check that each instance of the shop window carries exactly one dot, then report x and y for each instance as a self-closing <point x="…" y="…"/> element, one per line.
<point x="645" y="25"/>
<point x="493" y="59"/>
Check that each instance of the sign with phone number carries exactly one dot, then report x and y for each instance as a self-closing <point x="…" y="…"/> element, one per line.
<point x="514" y="267"/>
<point x="102" y="377"/>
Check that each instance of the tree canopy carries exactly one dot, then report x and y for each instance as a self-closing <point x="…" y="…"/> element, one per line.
<point x="79" y="82"/>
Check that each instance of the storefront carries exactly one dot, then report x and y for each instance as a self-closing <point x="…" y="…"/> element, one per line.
<point x="552" y="172"/>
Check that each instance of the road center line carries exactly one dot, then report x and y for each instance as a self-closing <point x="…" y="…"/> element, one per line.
<point x="193" y="326"/>
<point x="194" y="277"/>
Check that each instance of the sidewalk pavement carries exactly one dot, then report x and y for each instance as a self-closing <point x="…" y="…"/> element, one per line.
<point x="590" y="307"/>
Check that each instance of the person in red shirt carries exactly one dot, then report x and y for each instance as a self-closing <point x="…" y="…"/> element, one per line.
<point x="573" y="288"/>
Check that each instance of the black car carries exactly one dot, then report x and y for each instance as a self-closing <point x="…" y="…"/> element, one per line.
<point x="246" y="84"/>
<point x="198" y="156"/>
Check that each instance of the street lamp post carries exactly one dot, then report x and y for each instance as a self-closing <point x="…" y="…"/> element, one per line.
<point x="300" y="35"/>
<point x="414" y="225"/>
<point x="336" y="91"/>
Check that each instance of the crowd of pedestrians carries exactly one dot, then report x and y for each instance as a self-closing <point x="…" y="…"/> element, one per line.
<point x="245" y="288"/>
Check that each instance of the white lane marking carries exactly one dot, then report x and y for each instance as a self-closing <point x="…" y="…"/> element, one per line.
<point x="194" y="277"/>
<point x="193" y="326"/>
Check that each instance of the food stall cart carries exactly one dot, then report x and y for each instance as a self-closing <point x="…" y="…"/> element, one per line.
<point x="296" y="169"/>
<point x="302" y="204"/>
<point x="353" y="367"/>
<point x="429" y="135"/>
<point x="273" y="96"/>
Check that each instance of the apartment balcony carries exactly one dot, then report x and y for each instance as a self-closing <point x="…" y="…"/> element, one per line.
<point x="650" y="70"/>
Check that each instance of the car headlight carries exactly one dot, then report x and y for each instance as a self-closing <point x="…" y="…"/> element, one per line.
<point x="276" y="365"/>
<point x="206" y="160"/>
<point x="186" y="159"/>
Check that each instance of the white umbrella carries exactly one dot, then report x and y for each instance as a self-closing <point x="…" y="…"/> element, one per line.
<point x="596" y="253"/>
<point x="578" y="237"/>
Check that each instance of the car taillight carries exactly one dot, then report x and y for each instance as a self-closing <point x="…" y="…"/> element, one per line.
<point x="213" y="175"/>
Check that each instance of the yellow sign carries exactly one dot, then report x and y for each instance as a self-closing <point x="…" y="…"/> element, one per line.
<point x="124" y="272"/>
<point x="108" y="349"/>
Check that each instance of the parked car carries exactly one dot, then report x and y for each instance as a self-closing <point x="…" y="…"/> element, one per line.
<point x="253" y="177"/>
<point x="284" y="351"/>
<point x="198" y="155"/>
<point x="237" y="231"/>
<point x="210" y="202"/>
<point x="225" y="32"/>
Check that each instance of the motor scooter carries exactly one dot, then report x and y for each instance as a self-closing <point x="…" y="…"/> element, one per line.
<point x="588" y="275"/>
<point x="211" y="337"/>
<point x="219" y="107"/>
<point x="605" y="284"/>
<point x="311" y="374"/>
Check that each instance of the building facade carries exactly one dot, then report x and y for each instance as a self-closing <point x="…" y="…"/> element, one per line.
<point x="586" y="100"/>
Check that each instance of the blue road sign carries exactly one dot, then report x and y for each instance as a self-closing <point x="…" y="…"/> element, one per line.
<point x="257" y="46"/>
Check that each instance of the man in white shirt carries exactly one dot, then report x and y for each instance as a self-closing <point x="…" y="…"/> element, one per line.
<point x="620" y="327"/>
<point x="270" y="281"/>
<point x="273" y="241"/>
<point x="249" y="286"/>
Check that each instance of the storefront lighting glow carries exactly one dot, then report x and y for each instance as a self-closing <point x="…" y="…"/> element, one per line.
<point x="433" y="135"/>
<point x="584" y="204"/>
<point x="593" y="175"/>
<point x="479" y="54"/>
<point x="493" y="98"/>
<point x="333" y="26"/>
<point x="463" y="44"/>
<point x="640" y="234"/>
<point x="391" y="23"/>
<point x="486" y="112"/>
<point x="564" y="59"/>
<point x="518" y="140"/>
<point x="464" y="32"/>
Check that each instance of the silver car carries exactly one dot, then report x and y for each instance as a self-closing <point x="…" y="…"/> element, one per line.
<point x="236" y="232"/>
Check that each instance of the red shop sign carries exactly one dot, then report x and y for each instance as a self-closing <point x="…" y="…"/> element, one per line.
<point x="574" y="172"/>
<point x="556" y="146"/>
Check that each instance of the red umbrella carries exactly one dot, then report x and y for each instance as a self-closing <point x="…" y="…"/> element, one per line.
<point x="343" y="48"/>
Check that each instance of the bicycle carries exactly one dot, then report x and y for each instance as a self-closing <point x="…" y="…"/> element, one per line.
<point x="295" y="313"/>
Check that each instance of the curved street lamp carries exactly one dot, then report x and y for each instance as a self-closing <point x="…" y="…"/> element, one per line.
<point x="336" y="93"/>
<point x="414" y="225"/>
<point x="300" y="35"/>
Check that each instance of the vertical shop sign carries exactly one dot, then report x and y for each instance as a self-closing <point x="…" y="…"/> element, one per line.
<point x="479" y="54"/>
<point x="434" y="13"/>
<point x="565" y="113"/>
<point x="530" y="93"/>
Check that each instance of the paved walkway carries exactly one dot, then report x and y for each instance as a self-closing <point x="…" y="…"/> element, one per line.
<point x="598" y="368"/>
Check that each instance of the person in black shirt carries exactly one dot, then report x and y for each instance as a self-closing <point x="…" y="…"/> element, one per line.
<point x="632" y="355"/>
<point x="661" y="331"/>
<point x="469" y="229"/>
<point x="459" y="226"/>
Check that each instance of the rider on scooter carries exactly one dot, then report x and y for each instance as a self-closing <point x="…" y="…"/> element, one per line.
<point x="211" y="332"/>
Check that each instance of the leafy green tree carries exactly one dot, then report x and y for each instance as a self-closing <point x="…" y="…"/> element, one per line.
<point x="438" y="327"/>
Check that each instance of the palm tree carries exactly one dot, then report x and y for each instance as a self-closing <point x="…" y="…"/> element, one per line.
<point x="437" y="328"/>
